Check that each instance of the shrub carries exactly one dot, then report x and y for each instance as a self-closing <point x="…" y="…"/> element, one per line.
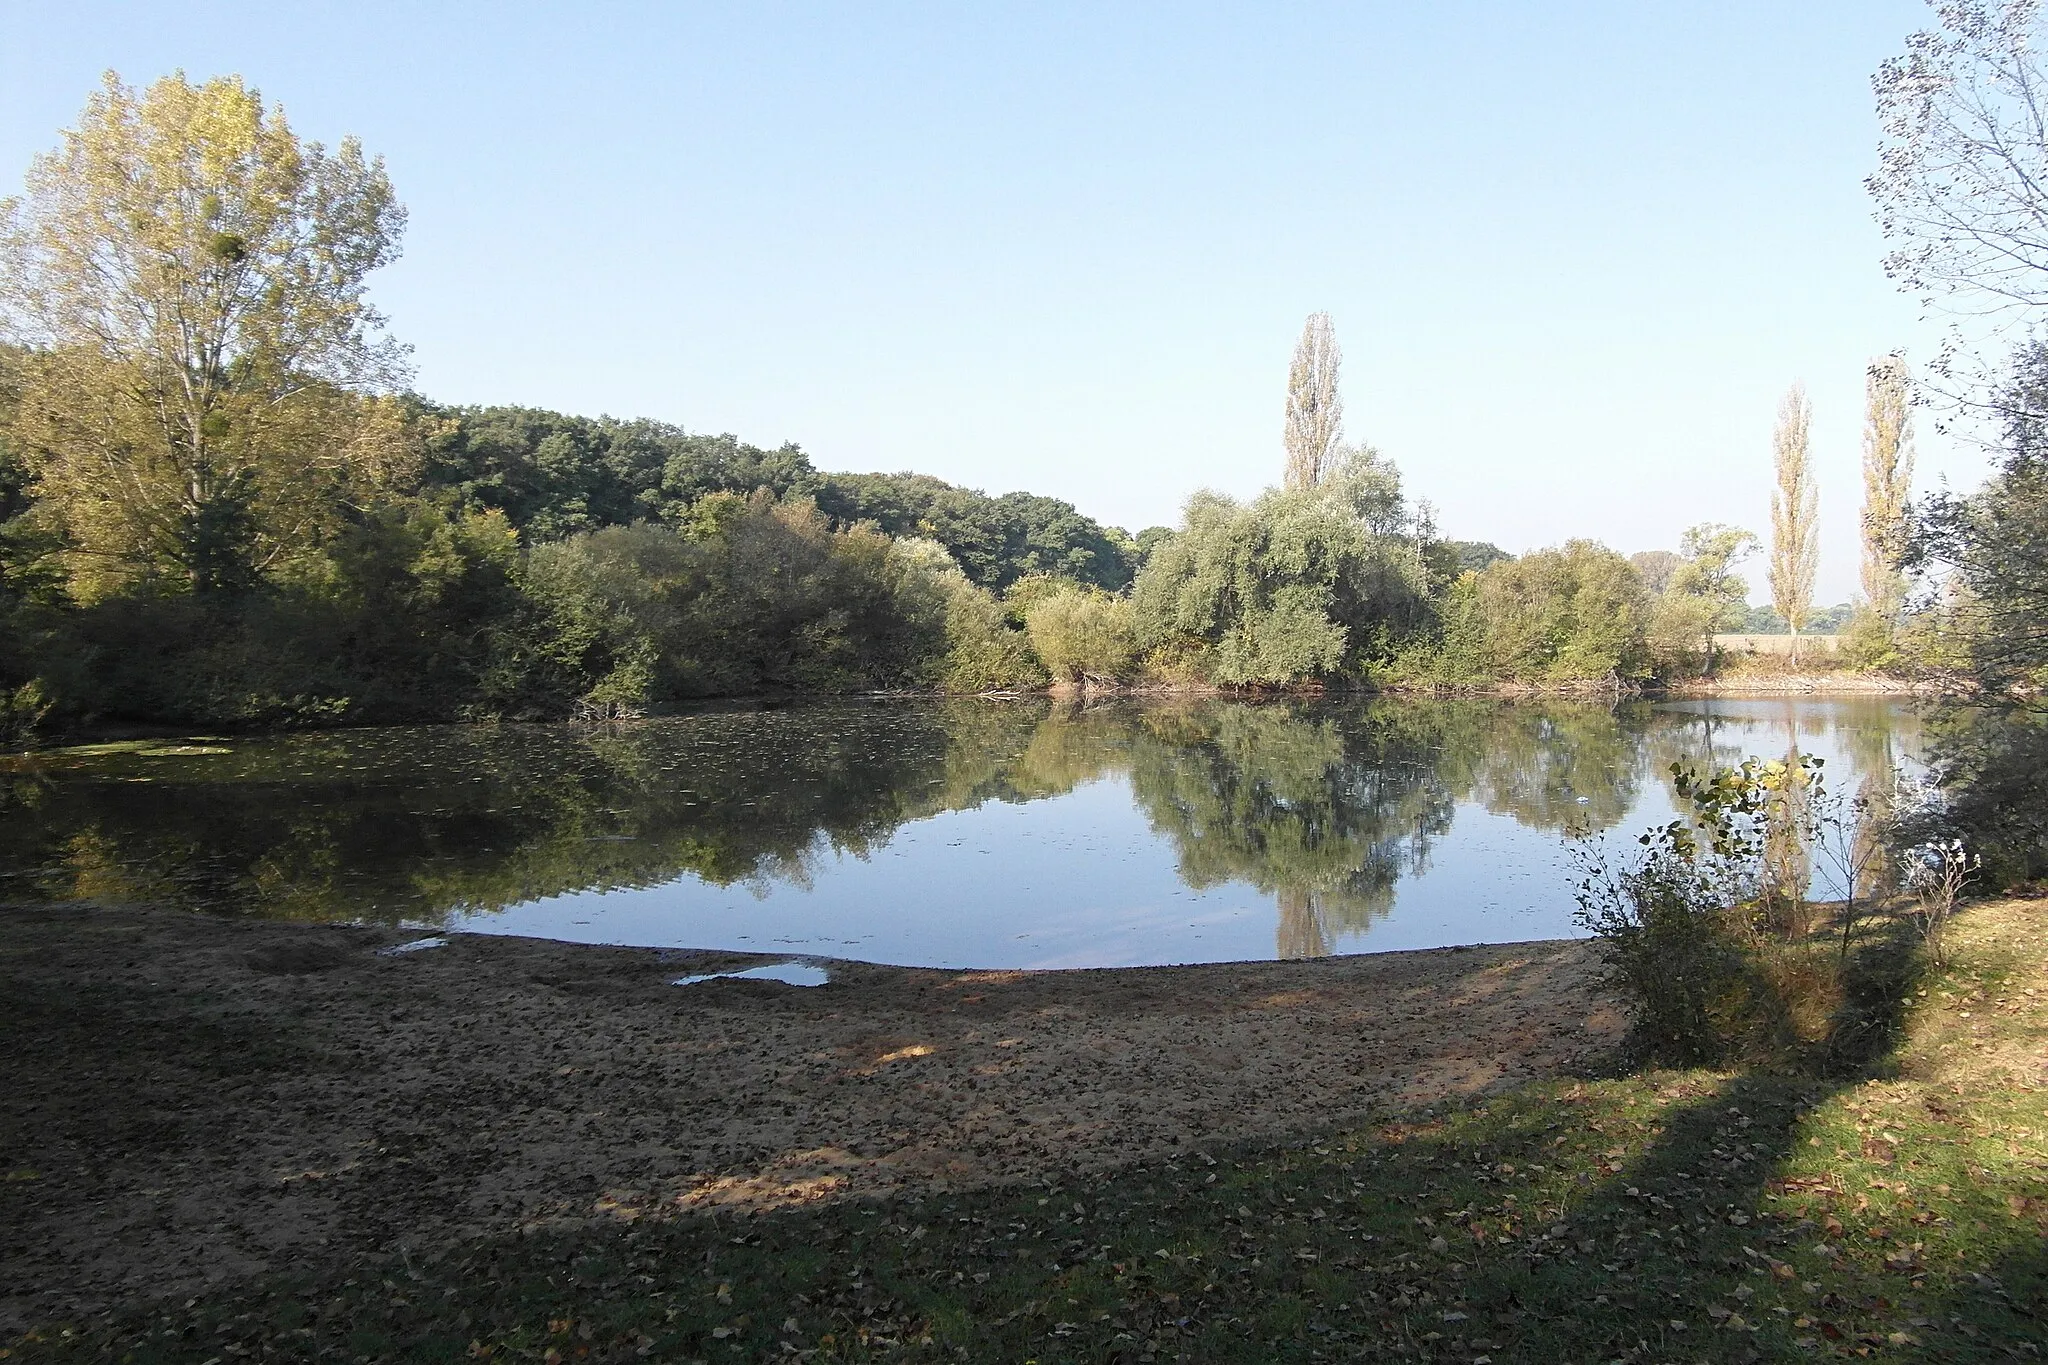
<point x="985" y="648"/>
<point x="1670" y="941"/>
<point x="21" y="710"/>
<point x="1080" y="636"/>
<point x="1296" y="585"/>
<point x="1870" y="643"/>
<point x="1573" y="614"/>
<point x="1705" y="928"/>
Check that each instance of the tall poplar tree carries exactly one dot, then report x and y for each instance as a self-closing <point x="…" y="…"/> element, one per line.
<point x="190" y="278"/>
<point x="1315" y="410"/>
<point x="1887" y="483"/>
<point x="1795" y="515"/>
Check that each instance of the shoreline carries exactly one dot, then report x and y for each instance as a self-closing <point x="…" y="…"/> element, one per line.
<point x="207" y="1099"/>
<point x="1813" y="685"/>
<point x="1805" y="684"/>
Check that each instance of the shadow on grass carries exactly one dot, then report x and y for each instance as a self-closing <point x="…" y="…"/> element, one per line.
<point x="1675" y="1215"/>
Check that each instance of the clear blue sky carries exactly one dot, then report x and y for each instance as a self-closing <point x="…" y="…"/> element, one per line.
<point x="1575" y="251"/>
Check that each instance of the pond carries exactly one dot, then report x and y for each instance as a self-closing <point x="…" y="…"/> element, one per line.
<point x="998" y="834"/>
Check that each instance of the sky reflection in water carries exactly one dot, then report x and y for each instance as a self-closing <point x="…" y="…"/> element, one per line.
<point x="956" y="834"/>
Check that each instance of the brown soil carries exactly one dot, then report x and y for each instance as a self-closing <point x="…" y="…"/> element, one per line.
<point x="190" y="1100"/>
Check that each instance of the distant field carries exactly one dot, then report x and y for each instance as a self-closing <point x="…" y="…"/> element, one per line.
<point x="1777" y="644"/>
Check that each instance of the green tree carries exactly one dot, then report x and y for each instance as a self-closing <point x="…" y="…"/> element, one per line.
<point x="1656" y="567"/>
<point x="753" y="594"/>
<point x="1795" y="515"/>
<point x="1083" y="635"/>
<point x="1887" y="485"/>
<point x="554" y="475"/>
<point x="1295" y="585"/>
<point x="996" y="541"/>
<point x="191" y="276"/>
<point x="1315" y="407"/>
<point x="1476" y="556"/>
<point x="1572" y="614"/>
<point x="1704" y="597"/>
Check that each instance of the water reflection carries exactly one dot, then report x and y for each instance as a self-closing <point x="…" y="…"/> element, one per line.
<point x="963" y="833"/>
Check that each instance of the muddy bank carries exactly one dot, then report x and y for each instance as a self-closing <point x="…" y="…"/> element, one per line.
<point x="192" y="1099"/>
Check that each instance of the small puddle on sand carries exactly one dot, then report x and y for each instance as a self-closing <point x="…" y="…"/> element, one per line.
<point x="788" y="973"/>
<point x="417" y="945"/>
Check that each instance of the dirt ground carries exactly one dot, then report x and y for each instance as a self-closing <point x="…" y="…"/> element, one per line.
<point x="190" y="1100"/>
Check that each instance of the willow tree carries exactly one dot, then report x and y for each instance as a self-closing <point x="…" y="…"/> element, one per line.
<point x="1887" y="484"/>
<point x="190" y="277"/>
<point x="1315" y="410"/>
<point x="1795" y="515"/>
<point x="1292" y="586"/>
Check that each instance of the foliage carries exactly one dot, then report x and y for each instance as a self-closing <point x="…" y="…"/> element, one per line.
<point x="1887" y="486"/>
<point x="554" y="476"/>
<point x="1315" y="407"/>
<point x="204" y="452"/>
<point x="1988" y="554"/>
<point x="1552" y="616"/>
<point x="1871" y="643"/>
<point x="1668" y="939"/>
<point x="1708" y="927"/>
<point x="756" y="594"/>
<point x="1990" y="763"/>
<point x="22" y="709"/>
<point x="1476" y="556"/>
<point x="986" y="648"/>
<point x="1295" y="585"/>
<point x="1083" y="635"/>
<point x="1703" y="596"/>
<point x="1765" y="620"/>
<point x="1795" y="514"/>
<point x="1148" y="540"/>
<point x="1994" y="546"/>
<point x="1656" y="567"/>
<point x="996" y="541"/>
<point x="412" y="617"/>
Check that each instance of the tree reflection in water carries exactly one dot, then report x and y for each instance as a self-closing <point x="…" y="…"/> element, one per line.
<point x="1324" y="806"/>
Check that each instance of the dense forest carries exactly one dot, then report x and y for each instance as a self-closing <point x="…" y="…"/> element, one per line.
<point x="221" y="504"/>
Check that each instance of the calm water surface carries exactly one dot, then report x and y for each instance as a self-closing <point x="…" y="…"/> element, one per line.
<point x="955" y="834"/>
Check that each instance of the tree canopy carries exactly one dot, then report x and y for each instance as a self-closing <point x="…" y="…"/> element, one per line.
<point x="192" y="277"/>
<point x="1294" y="585"/>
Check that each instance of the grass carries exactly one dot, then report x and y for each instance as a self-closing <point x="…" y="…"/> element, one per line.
<point x="1898" y="1214"/>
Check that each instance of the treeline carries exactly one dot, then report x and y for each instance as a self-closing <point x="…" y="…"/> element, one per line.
<point x="242" y="517"/>
<point x="518" y="563"/>
<point x="513" y="562"/>
<point x="554" y="476"/>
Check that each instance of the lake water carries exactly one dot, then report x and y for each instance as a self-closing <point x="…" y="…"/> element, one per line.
<point x="946" y="833"/>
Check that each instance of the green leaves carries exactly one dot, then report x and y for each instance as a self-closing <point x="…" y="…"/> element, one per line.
<point x="1297" y="585"/>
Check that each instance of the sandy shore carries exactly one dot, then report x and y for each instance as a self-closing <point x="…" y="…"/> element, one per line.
<point x="192" y="1100"/>
<point x="1804" y="684"/>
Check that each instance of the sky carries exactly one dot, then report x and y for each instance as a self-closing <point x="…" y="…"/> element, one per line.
<point x="1574" y="252"/>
